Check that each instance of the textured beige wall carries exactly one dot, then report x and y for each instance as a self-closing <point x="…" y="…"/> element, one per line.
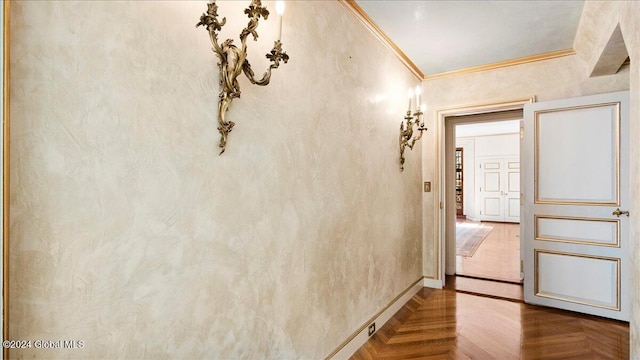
<point x="552" y="79"/>
<point x="129" y="233"/>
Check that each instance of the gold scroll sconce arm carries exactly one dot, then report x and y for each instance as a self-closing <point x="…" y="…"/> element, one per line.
<point x="233" y="60"/>
<point x="407" y="136"/>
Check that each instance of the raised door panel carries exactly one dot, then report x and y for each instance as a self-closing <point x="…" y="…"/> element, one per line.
<point x="570" y="167"/>
<point x="491" y="194"/>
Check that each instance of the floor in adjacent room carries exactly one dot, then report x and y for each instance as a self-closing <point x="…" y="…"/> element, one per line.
<point x="445" y="324"/>
<point x="497" y="258"/>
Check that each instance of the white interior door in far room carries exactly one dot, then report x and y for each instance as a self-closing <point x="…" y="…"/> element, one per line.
<point x="499" y="189"/>
<point x="574" y="227"/>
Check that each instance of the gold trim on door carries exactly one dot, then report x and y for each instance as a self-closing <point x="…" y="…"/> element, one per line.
<point x="536" y="156"/>
<point x="536" y="284"/>
<point x="537" y="235"/>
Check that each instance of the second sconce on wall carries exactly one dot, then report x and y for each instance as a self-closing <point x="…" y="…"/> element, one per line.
<point x="407" y="136"/>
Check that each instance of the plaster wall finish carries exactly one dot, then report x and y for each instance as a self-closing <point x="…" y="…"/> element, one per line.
<point x="129" y="233"/>
<point x="547" y="80"/>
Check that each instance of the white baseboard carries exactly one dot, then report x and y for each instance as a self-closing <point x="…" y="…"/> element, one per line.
<point x="361" y="336"/>
<point x="432" y="283"/>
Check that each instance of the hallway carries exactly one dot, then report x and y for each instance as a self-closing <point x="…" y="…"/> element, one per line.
<point x="126" y="228"/>
<point x="444" y="324"/>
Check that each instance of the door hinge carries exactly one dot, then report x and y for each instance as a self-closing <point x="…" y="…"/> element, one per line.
<point x="480" y="212"/>
<point x="521" y="266"/>
<point x="521" y="199"/>
<point x="521" y="133"/>
<point x="441" y="205"/>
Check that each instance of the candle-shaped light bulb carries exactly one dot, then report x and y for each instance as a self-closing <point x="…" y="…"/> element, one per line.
<point x="418" y="92"/>
<point x="280" y="11"/>
<point x="423" y="107"/>
<point x="409" y="95"/>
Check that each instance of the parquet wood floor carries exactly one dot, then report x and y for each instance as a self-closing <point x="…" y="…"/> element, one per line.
<point x="443" y="324"/>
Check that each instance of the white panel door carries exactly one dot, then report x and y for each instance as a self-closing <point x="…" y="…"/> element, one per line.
<point x="500" y="189"/>
<point x="491" y="194"/>
<point x="512" y="191"/>
<point x="575" y="183"/>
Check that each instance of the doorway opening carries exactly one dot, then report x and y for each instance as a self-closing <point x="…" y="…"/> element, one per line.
<point x="487" y="190"/>
<point x="494" y="219"/>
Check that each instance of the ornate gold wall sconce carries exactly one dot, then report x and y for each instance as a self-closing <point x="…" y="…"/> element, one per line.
<point x="233" y="61"/>
<point x="407" y="138"/>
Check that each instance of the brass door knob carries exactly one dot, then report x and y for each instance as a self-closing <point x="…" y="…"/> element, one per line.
<point x="617" y="212"/>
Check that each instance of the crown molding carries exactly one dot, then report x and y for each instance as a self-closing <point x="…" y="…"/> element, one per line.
<point x="361" y="15"/>
<point x="506" y="63"/>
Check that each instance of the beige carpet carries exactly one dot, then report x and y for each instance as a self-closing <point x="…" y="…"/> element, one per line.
<point x="469" y="236"/>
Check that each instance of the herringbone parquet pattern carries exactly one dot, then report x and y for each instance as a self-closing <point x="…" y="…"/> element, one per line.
<point x="443" y="324"/>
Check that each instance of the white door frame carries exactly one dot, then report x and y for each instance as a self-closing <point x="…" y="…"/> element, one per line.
<point x="444" y="204"/>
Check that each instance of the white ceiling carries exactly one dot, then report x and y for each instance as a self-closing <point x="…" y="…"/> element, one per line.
<point x="442" y="36"/>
